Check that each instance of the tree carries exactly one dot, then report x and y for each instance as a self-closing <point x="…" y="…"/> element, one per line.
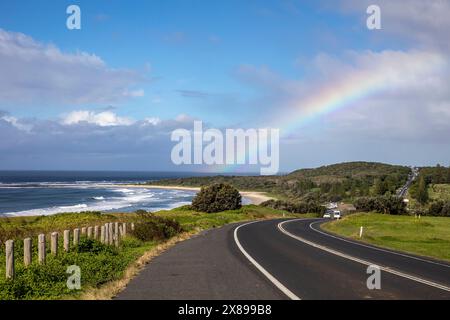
<point x="217" y="197"/>
<point x="380" y="187"/>
<point x="422" y="191"/>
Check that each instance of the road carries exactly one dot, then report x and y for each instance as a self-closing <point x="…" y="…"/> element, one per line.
<point x="284" y="259"/>
<point x="412" y="176"/>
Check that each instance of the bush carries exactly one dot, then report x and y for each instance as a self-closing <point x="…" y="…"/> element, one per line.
<point x="92" y="246"/>
<point x="216" y="198"/>
<point x="385" y="204"/>
<point x="295" y="207"/>
<point x="153" y="228"/>
<point x="435" y="208"/>
<point x="439" y="209"/>
<point x="446" y="210"/>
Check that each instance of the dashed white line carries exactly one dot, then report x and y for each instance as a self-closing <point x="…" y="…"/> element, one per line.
<point x="361" y="261"/>
<point x="271" y="278"/>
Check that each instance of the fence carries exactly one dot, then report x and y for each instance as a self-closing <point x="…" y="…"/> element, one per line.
<point x="109" y="234"/>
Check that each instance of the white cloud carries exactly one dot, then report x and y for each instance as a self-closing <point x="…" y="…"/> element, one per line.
<point x="16" y="123"/>
<point x="425" y="22"/>
<point x="103" y="119"/>
<point x="152" y="121"/>
<point x="37" y="73"/>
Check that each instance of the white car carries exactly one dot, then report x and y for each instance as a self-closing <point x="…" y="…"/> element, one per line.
<point x="327" y="215"/>
<point x="336" y="214"/>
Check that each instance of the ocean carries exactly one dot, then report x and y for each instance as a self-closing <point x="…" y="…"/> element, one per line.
<point x="26" y="193"/>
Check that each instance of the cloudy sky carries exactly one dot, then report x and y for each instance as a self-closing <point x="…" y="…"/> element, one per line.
<point x="107" y="97"/>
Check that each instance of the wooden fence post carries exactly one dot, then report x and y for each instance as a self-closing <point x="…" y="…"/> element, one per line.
<point x="27" y="252"/>
<point x="89" y="232"/>
<point x="76" y="236"/>
<point x="41" y="249"/>
<point x="111" y="233"/>
<point x="102" y="234"/>
<point x="66" y="240"/>
<point x="132" y="226"/>
<point x="106" y="233"/>
<point x="83" y="230"/>
<point x="54" y="243"/>
<point x="124" y="229"/>
<point x="116" y="234"/>
<point x="10" y="259"/>
<point x="96" y="233"/>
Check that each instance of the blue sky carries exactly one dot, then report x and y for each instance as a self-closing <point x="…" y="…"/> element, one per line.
<point x="228" y="63"/>
<point x="188" y="45"/>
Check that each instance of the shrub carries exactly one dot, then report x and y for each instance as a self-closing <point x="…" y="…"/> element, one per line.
<point x="446" y="210"/>
<point x="385" y="204"/>
<point x="92" y="246"/>
<point x="435" y="208"/>
<point x="156" y="228"/>
<point x="439" y="209"/>
<point x="295" y="207"/>
<point x="217" y="197"/>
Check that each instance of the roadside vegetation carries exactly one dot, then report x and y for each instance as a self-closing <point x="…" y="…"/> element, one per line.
<point x="427" y="236"/>
<point x="297" y="207"/>
<point x="101" y="264"/>
<point x="217" y="197"/>
<point x="430" y="194"/>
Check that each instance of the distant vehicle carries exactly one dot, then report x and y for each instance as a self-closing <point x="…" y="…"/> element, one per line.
<point x="336" y="214"/>
<point x="327" y="214"/>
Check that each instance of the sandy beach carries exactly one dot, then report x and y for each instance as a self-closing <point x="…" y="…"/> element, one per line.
<point x="254" y="196"/>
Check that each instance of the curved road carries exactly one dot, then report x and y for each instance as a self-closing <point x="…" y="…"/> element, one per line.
<point x="284" y="259"/>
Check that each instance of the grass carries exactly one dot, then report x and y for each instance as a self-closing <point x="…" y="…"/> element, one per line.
<point x="104" y="270"/>
<point x="427" y="236"/>
<point x="21" y="227"/>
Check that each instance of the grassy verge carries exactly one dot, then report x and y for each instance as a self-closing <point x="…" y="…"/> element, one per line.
<point x="104" y="270"/>
<point x="428" y="236"/>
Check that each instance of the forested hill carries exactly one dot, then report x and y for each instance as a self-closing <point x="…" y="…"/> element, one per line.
<point x="334" y="182"/>
<point x="354" y="170"/>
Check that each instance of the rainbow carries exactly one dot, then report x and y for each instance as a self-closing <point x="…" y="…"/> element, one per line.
<point x="353" y="87"/>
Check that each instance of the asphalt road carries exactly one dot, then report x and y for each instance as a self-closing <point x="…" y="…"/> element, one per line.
<point x="208" y="266"/>
<point x="284" y="259"/>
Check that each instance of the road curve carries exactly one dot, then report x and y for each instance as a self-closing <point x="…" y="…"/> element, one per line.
<point x="208" y="266"/>
<point x="284" y="259"/>
<point x="311" y="272"/>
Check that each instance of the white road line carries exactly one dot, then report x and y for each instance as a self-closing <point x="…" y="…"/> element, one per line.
<point x="271" y="278"/>
<point x="376" y="248"/>
<point x="364" y="262"/>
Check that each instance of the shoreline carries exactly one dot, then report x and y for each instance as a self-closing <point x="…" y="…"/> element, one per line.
<point x="256" y="197"/>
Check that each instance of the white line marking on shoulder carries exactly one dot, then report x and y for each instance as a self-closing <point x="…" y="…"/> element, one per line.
<point x="271" y="278"/>
<point x="361" y="261"/>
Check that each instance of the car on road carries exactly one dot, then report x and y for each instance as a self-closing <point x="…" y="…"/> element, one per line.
<point x="336" y="214"/>
<point x="327" y="214"/>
